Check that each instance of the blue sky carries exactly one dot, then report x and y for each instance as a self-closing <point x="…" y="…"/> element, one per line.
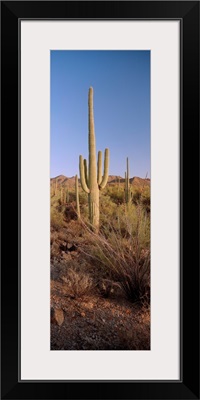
<point x="121" y="84"/>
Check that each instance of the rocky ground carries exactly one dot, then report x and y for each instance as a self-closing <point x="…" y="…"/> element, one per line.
<point x="88" y="311"/>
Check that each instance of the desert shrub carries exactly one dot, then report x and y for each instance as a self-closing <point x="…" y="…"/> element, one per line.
<point x="136" y="196"/>
<point x="116" y="194"/>
<point x="125" y="257"/>
<point x="56" y="219"/>
<point x="130" y="270"/>
<point x="72" y="196"/>
<point x="83" y="198"/>
<point x="145" y="199"/>
<point x="79" y="283"/>
<point x="108" y="209"/>
<point x="70" y="212"/>
<point x="129" y="222"/>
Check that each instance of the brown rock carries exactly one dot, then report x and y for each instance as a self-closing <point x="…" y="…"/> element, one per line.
<point x="66" y="256"/>
<point x="55" y="248"/>
<point x="57" y="316"/>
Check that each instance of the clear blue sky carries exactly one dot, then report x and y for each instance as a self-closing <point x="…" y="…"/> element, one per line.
<point x="121" y="83"/>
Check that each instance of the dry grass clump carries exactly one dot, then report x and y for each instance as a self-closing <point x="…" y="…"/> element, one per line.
<point x="78" y="282"/>
<point x="56" y="219"/>
<point x="131" y="273"/>
<point x="124" y="256"/>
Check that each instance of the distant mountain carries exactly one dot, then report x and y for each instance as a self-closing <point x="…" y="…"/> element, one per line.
<point x="63" y="180"/>
<point x="136" y="181"/>
<point x="112" y="179"/>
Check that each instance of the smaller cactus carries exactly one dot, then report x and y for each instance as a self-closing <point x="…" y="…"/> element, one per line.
<point x="77" y="197"/>
<point x="61" y="195"/>
<point x="128" y="193"/>
<point x="67" y="195"/>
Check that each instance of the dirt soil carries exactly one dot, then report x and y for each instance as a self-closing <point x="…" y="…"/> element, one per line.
<point x="93" y="320"/>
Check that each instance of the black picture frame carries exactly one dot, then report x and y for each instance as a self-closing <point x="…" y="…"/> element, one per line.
<point x="188" y="386"/>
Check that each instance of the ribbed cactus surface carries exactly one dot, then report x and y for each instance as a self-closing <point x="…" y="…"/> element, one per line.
<point x="128" y="194"/>
<point x="67" y="196"/>
<point x="91" y="176"/>
<point x="61" y="195"/>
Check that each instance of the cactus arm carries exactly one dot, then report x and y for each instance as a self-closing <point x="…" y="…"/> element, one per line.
<point x="86" y="172"/>
<point x="82" y="175"/>
<point x="106" y="167"/>
<point x="99" y="168"/>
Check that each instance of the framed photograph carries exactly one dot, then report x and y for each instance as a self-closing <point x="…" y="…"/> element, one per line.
<point x="100" y="283"/>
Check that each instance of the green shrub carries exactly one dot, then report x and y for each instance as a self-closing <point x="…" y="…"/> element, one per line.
<point x="145" y="199"/>
<point x="56" y="217"/>
<point x="116" y="194"/>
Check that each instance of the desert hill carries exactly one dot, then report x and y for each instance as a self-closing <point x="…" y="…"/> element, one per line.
<point x="112" y="179"/>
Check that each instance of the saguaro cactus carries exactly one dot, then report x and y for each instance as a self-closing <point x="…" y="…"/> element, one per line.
<point x="61" y="195"/>
<point x="91" y="178"/>
<point x="77" y="197"/>
<point x="67" y="195"/>
<point x="128" y="194"/>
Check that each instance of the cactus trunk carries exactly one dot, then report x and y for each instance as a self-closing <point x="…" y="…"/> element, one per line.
<point x="94" y="190"/>
<point x="67" y="196"/>
<point x="93" y="181"/>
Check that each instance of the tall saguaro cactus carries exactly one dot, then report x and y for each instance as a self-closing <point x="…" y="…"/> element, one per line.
<point x="128" y="193"/>
<point x="91" y="178"/>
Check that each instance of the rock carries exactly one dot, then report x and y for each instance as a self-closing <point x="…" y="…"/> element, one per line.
<point x="55" y="248"/>
<point x="57" y="316"/>
<point x="66" y="256"/>
<point x="54" y="274"/>
<point x="82" y="314"/>
<point x="71" y="247"/>
<point x="63" y="246"/>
